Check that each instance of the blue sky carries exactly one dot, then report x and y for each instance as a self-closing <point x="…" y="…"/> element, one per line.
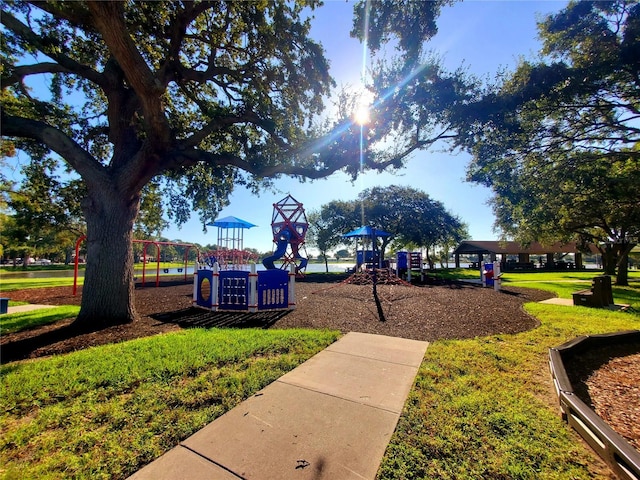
<point x="484" y="35"/>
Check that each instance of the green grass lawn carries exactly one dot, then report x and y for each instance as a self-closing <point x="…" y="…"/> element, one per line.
<point x="563" y="284"/>
<point x="106" y="411"/>
<point x="480" y="408"/>
<point x="14" y="322"/>
<point x="8" y="284"/>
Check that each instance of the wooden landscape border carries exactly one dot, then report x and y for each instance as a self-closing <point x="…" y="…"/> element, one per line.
<point x="621" y="457"/>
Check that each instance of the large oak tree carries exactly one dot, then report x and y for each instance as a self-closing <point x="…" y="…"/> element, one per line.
<point x="195" y="97"/>
<point x="558" y="140"/>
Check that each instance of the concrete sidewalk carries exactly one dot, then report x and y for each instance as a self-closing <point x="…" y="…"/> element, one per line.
<point x="330" y="418"/>
<point x="28" y="308"/>
<point x="568" y="302"/>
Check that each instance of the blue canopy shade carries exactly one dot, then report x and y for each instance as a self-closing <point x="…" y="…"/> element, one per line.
<point x="366" y="232"/>
<point x="231" y="222"/>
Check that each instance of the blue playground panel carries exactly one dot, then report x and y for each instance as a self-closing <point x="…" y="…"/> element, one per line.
<point x="233" y="293"/>
<point x="273" y="289"/>
<point x="235" y="290"/>
<point x="4" y="305"/>
<point x="367" y="257"/>
<point x="488" y="267"/>
<point x="402" y="261"/>
<point x="204" y="295"/>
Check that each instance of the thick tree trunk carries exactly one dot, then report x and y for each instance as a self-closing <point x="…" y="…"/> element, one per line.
<point x="622" y="278"/>
<point x="108" y="291"/>
<point x="608" y="259"/>
<point x="615" y="259"/>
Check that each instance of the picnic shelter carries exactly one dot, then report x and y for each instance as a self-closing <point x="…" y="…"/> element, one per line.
<point x="529" y="257"/>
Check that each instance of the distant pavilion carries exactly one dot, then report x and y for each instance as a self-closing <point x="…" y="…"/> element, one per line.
<point x="544" y="253"/>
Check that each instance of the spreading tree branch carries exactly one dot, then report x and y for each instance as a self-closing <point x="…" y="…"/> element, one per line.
<point x="45" y="46"/>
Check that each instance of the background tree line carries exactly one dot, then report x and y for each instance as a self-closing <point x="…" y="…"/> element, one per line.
<point x="558" y="140"/>
<point x="411" y="217"/>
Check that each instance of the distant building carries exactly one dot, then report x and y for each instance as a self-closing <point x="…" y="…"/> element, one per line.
<point x="535" y="255"/>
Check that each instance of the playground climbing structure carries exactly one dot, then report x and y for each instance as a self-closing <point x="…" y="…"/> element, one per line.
<point x="289" y="226"/>
<point x="230" y="253"/>
<point x="215" y="289"/>
<point x="227" y="279"/>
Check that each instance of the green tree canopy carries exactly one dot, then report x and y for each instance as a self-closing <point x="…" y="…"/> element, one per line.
<point x="558" y="140"/>
<point x="408" y="214"/>
<point x="327" y="225"/>
<point x="44" y="213"/>
<point x="196" y="96"/>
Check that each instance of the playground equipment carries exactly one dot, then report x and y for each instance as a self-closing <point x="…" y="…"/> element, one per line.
<point x="215" y="289"/>
<point x="230" y="254"/>
<point x="227" y="278"/>
<point x="145" y="244"/>
<point x="368" y="258"/>
<point x="490" y="275"/>
<point x="407" y="263"/>
<point x="289" y="226"/>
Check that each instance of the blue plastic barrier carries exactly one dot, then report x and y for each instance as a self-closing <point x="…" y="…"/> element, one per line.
<point x="204" y="291"/>
<point x="273" y="289"/>
<point x="234" y="290"/>
<point x="241" y="290"/>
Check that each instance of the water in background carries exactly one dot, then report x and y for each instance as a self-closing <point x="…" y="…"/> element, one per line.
<point x="150" y="271"/>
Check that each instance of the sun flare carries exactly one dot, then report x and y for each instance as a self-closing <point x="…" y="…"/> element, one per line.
<point x="361" y="115"/>
<point x="362" y="111"/>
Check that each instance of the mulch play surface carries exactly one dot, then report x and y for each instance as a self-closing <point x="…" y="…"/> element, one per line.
<point x="429" y="312"/>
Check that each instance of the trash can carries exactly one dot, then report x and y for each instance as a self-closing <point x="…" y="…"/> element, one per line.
<point x="4" y="305"/>
<point x="602" y="293"/>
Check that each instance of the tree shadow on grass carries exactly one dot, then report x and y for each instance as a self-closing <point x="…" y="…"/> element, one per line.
<point x="23" y="348"/>
<point x="48" y="340"/>
<point x="198" y="318"/>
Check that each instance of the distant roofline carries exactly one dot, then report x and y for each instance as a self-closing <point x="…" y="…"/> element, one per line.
<point x="514" y="248"/>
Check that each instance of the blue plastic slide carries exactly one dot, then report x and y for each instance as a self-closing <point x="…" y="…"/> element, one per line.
<point x="283" y="241"/>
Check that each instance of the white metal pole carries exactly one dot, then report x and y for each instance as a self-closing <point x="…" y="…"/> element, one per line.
<point x="496" y="276"/>
<point x="482" y="276"/>
<point x="215" y="287"/>
<point x="195" y="284"/>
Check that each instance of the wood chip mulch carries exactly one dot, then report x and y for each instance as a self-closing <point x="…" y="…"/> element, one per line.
<point x="615" y="390"/>
<point x="608" y="380"/>
<point x="428" y="312"/>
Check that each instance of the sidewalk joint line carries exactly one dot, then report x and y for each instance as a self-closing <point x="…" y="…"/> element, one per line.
<point x="213" y="462"/>
<point x="376" y="359"/>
